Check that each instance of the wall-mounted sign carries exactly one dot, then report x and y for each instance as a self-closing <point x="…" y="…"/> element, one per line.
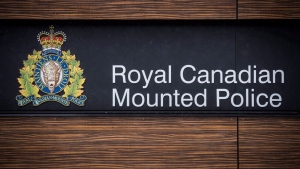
<point x="193" y="66"/>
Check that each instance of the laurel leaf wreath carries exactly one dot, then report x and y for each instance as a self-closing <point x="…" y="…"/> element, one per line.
<point x="76" y="80"/>
<point x="26" y="81"/>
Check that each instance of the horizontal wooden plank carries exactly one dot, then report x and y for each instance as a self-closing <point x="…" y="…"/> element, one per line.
<point x="268" y="9"/>
<point x="118" y="9"/>
<point x="118" y="142"/>
<point x="145" y="9"/>
<point x="269" y="142"/>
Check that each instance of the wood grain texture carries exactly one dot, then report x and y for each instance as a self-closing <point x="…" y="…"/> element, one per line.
<point x="269" y="142"/>
<point x="118" y="142"/>
<point x="268" y="9"/>
<point x="118" y="9"/>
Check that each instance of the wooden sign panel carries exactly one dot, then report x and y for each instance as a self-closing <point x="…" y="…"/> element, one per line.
<point x="105" y="66"/>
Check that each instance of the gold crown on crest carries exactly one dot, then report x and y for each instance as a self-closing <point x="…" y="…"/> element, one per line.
<point x="51" y="40"/>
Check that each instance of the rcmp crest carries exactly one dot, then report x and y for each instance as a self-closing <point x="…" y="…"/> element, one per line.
<point x="51" y="74"/>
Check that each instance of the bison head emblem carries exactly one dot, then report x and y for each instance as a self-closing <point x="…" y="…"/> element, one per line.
<point x="51" y="74"/>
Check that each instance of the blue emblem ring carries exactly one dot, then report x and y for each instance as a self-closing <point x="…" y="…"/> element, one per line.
<point x="51" y="74"/>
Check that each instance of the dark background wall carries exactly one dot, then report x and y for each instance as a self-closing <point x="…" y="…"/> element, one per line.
<point x="250" y="141"/>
